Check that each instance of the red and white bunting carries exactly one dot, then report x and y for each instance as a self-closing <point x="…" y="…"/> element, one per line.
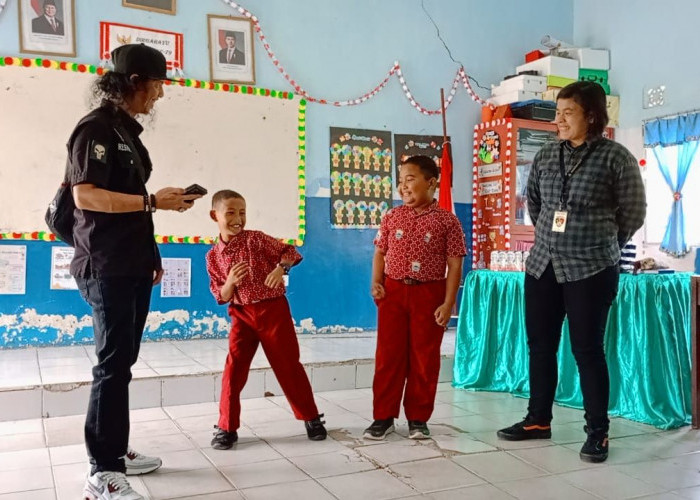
<point x="395" y="70"/>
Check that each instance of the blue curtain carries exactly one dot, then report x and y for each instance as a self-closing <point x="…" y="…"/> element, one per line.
<point x="682" y="132"/>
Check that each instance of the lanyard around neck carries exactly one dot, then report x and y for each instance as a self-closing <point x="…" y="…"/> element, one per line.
<point x="566" y="175"/>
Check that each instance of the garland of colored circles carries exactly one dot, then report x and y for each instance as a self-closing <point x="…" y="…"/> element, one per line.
<point x="460" y="77"/>
<point x="225" y="87"/>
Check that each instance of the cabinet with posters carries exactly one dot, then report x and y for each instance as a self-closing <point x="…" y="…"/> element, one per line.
<point x="503" y="153"/>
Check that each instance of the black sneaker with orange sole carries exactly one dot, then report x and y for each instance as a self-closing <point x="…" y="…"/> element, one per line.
<point x="526" y="429"/>
<point x="595" y="449"/>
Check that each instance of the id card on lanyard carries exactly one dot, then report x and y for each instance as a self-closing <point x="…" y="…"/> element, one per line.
<point x="561" y="215"/>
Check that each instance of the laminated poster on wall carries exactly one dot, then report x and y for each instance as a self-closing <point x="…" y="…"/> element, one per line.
<point x="13" y="269"/>
<point x="407" y="145"/>
<point x="61" y="278"/>
<point x="490" y="187"/>
<point x="177" y="277"/>
<point x="360" y="168"/>
<point x="490" y="170"/>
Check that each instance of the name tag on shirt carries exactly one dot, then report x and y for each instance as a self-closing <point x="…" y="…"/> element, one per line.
<point x="559" y="222"/>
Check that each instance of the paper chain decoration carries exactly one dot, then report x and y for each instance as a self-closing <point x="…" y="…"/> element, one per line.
<point x="225" y="87"/>
<point x="460" y="77"/>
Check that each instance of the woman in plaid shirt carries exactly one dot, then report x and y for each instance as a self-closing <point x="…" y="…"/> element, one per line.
<point x="586" y="199"/>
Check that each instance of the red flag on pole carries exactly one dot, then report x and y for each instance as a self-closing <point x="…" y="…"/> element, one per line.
<point x="445" y="199"/>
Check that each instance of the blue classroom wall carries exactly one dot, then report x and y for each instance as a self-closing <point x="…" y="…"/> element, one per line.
<point x="335" y="50"/>
<point x="640" y="52"/>
<point x="328" y="292"/>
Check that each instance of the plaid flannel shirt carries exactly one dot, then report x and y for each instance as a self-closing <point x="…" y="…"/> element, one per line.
<point x="606" y="206"/>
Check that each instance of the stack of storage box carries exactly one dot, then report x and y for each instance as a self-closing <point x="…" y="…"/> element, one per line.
<point x="559" y="71"/>
<point x="542" y="78"/>
<point x="593" y="67"/>
<point x="518" y="88"/>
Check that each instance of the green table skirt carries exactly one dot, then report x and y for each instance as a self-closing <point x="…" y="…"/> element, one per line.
<point x="647" y="345"/>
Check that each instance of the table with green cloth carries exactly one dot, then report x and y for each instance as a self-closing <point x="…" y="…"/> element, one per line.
<point x="647" y="345"/>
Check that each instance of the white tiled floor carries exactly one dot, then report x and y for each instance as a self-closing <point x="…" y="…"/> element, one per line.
<point x="45" y="458"/>
<point x="54" y="381"/>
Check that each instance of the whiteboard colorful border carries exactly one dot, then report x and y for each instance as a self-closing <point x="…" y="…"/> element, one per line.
<point x="197" y="84"/>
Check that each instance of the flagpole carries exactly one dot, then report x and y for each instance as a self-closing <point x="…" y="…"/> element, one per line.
<point x="444" y="120"/>
<point x="444" y="127"/>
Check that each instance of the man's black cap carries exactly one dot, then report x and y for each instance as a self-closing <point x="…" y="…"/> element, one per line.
<point x="139" y="59"/>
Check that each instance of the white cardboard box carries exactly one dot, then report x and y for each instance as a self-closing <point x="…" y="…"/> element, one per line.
<point x="589" y="58"/>
<point x="530" y="83"/>
<point x="552" y="65"/>
<point x="514" y="96"/>
<point x="550" y="94"/>
<point x="613" y="105"/>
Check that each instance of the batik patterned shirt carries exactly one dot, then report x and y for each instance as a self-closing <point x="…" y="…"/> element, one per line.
<point x="417" y="245"/>
<point x="261" y="252"/>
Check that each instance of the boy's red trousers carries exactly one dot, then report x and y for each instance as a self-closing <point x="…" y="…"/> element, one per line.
<point x="268" y="322"/>
<point x="408" y="349"/>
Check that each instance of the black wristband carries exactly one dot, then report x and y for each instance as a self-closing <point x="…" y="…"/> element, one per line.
<point x="146" y="203"/>
<point x="286" y="267"/>
<point x="152" y="198"/>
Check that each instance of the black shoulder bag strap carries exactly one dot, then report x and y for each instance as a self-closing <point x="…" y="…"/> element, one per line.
<point x="124" y="136"/>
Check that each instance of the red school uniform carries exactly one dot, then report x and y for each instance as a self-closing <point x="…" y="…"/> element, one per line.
<point x="259" y="315"/>
<point x="416" y="247"/>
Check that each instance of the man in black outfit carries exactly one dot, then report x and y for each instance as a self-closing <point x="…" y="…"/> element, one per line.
<point x="117" y="262"/>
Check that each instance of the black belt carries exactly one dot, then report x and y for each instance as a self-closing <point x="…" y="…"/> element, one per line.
<point x="410" y="281"/>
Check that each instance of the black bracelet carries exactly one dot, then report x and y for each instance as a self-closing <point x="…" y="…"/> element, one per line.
<point x="286" y="267"/>
<point x="152" y="198"/>
<point x="146" y="203"/>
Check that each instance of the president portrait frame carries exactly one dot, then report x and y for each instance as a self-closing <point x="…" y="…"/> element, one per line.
<point x="47" y="27"/>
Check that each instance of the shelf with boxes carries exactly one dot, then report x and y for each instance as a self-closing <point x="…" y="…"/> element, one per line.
<point x="535" y="85"/>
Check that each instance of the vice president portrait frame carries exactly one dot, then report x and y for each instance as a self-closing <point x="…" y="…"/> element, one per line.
<point x="47" y="27"/>
<point x="231" y="49"/>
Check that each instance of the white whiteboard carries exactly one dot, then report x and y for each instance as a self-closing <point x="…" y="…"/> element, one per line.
<point x="220" y="140"/>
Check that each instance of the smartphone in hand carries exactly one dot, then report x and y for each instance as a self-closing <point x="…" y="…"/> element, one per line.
<point x="195" y="189"/>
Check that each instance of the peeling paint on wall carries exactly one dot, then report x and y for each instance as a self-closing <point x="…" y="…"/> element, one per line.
<point x="307" y="326"/>
<point x="63" y="327"/>
<point x="31" y="328"/>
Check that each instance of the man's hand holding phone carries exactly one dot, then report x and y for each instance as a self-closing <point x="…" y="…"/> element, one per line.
<point x="177" y="198"/>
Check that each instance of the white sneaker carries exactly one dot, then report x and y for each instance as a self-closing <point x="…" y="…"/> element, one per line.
<point x="137" y="464"/>
<point x="109" y="485"/>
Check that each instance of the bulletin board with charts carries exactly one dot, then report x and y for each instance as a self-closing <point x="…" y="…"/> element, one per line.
<point x="361" y="163"/>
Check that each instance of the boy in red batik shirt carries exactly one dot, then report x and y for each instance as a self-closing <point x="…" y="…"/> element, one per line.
<point x="414" y="245"/>
<point x="246" y="270"/>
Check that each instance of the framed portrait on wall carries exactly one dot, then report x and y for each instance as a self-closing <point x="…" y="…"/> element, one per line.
<point x="162" y="6"/>
<point x="231" y="54"/>
<point x="47" y="27"/>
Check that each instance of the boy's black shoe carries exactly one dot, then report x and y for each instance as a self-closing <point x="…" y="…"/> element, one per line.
<point x="527" y="429"/>
<point x="379" y="429"/>
<point x="223" y="440"/>
<point x="595" y="449"/>
<point x="315" y="429"/>
<point x="418" y="430"/>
